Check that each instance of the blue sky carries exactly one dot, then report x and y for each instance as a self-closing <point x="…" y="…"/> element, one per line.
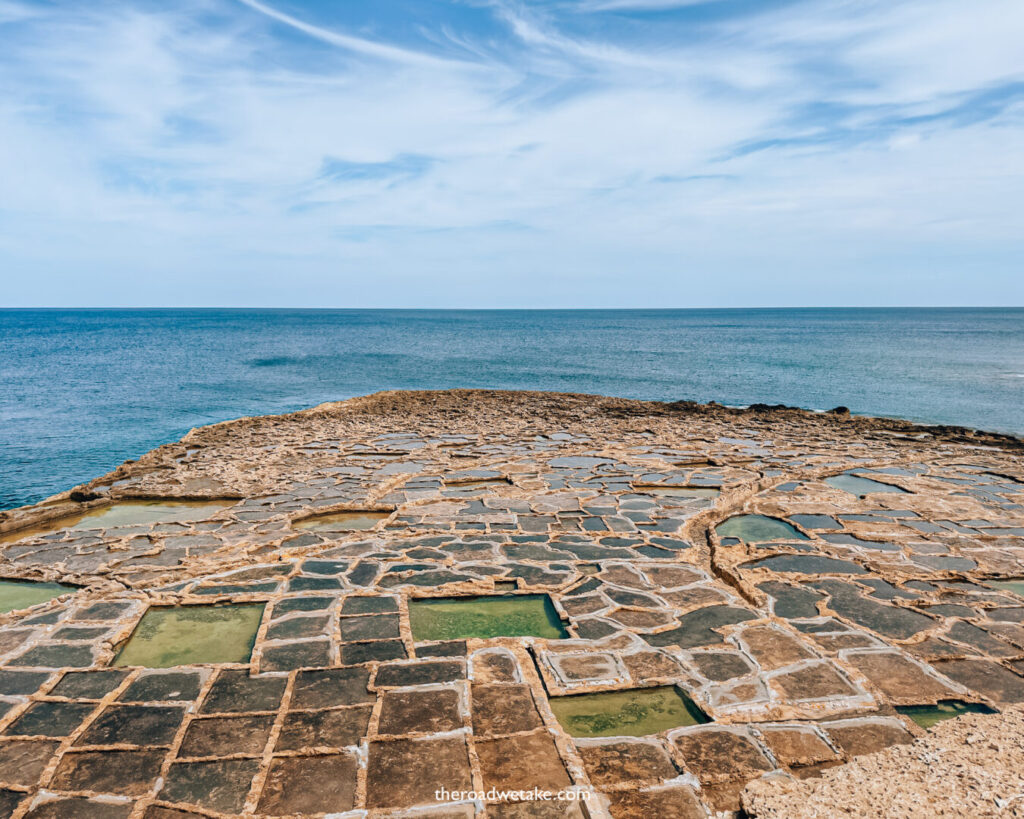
<point x="495" y="153"/>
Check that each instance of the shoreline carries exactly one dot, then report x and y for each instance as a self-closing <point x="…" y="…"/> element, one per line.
<point x="69" y="422"/>
<point x="865" y="423"/>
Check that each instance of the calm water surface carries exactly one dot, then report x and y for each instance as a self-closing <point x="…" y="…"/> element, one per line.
<point x="82" y="390"/>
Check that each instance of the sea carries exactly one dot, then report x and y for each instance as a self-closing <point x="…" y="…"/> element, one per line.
<point x="83" y="390"/>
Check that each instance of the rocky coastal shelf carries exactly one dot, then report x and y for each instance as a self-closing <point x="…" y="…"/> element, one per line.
<point x="647" y="605"/>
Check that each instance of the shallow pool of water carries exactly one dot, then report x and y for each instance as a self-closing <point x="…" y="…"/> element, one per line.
<point x="806" y="564"/>
<point x="348" y="521"/>
<point x="577" y="462"/>
<point x="928" y="715"/>
<point x="462" y="618"/>
<point x="856" y="485"/>
<point x="21" y="594"/>
<point x="125" y="513"/>
<point x="758" y="529"/>
<point x="681" y="492"/>
<point x="167" y="636"/>
<point x="634" y="713"/>
<point x="1015" y="586"/>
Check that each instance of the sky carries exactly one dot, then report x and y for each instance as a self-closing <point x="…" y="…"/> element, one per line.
<point x="499" y="153"/>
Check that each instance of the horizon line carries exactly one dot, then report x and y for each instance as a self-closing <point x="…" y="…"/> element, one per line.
<point x="518" y="309"/>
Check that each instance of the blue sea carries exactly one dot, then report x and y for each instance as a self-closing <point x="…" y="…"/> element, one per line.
<point x="82" y="390"/>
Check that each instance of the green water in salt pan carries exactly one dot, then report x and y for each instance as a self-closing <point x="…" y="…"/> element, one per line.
<point x="928" y="715"/>
<point x="462" y="618"/>
<point x="21" y="594"/>
<point x="1014" y="586"/>
<point x="125" y="513"/>
<point x="168" y="636"/>
<point x="758" y="529"/>
<point x="856" y="485"/>
<point x="633" y="713"/>
<point x="350" y="521"/>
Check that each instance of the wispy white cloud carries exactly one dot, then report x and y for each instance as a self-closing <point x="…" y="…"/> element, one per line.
<point x="192" y="154"/>
<point x="13" y="12"/>
<point x="358" y="45"/>
<point x="640" y="5"/>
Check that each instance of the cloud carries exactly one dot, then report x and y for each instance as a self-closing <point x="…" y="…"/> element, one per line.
<point x="197" y="153"/>
<point x="641" y="5"/>
<point x="403" y="166"/>
<point x="359" y="45"/>
<point x="11" y="12"/>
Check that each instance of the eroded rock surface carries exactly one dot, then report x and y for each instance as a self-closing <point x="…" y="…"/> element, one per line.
<point x="796" y="629"/>
<point x="970" y="766"/>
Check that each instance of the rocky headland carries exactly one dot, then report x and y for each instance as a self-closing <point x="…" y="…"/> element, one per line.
<point x="669" y="610"/>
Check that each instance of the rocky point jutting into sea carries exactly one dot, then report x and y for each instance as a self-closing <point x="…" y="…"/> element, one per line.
<point x="646" y="605"/>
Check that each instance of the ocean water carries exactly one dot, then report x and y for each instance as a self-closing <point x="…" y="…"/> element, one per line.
<point x="82" y="390"/>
